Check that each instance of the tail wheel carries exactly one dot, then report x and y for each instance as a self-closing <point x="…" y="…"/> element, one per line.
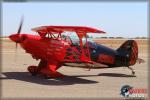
<point x="33" y="70"/>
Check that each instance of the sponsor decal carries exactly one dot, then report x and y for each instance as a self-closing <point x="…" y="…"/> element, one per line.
<point x="129" y="91"/>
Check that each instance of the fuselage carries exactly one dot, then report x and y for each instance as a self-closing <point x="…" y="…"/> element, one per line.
<point x="62" y="51"/>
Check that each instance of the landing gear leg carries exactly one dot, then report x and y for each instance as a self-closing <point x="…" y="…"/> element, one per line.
<point x="133" y="72"/>
<point x="48" y="69"/>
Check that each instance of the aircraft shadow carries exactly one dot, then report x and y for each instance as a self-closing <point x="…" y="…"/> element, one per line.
<point x="25" y="76"/>
<point x="115" y="75"/>
<point x="67" y="80"/>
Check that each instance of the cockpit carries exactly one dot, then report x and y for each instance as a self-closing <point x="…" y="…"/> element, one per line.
<point x="74" y="40"/>
<point x="71" y="38"/>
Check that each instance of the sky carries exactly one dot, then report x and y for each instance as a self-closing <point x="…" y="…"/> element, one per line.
<point x="117" y="19"/>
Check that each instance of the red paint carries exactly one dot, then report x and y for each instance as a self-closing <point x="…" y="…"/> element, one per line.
<point x="134" y="54"/>
<point x="104" y="58"/>
<point x="51" y="51"/>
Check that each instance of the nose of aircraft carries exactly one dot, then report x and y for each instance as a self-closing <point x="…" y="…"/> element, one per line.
<point x="14" y="37"/>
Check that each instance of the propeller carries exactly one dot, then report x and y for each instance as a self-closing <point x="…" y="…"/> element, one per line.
<point x="17" y="37"/>
<point x="19" y="31"/>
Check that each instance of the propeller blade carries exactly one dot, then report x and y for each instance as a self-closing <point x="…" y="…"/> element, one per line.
<point x="16" y="45"/>
<point x="16" y="53"/>
<point x="20" y="27"/>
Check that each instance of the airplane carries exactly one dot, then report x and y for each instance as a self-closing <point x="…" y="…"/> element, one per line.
<point x="54" y="49"/>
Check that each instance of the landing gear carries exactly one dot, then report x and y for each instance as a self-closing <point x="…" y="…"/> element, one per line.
<point x="33" y="70"/>
<point x="91" y="66"/>
<point x="133" y="72"/>
<point x="46" y="69"/>
<point x="47" y="73"/>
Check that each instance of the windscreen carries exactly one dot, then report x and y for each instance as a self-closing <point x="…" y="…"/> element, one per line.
<point x="72" y="36"/>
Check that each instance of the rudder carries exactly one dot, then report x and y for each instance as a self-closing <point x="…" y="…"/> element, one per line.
<point x="131" y="47"/>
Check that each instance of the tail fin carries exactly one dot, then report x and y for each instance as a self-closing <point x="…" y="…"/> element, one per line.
<point x="131" y="47"/>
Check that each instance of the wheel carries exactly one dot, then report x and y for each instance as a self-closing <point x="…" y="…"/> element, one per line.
<point x="33" y="70"/>
<point x="33" y="73"/>
<point x="133" y="73"/>
<point x="46" y="77"/>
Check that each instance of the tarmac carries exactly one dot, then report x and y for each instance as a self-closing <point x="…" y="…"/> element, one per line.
<point x="78" y="82"/>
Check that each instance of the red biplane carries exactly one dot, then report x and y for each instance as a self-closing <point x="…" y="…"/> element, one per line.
<point x="54" y="49"/>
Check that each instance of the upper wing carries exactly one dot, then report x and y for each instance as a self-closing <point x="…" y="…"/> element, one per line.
<point x="80" y="30"/>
